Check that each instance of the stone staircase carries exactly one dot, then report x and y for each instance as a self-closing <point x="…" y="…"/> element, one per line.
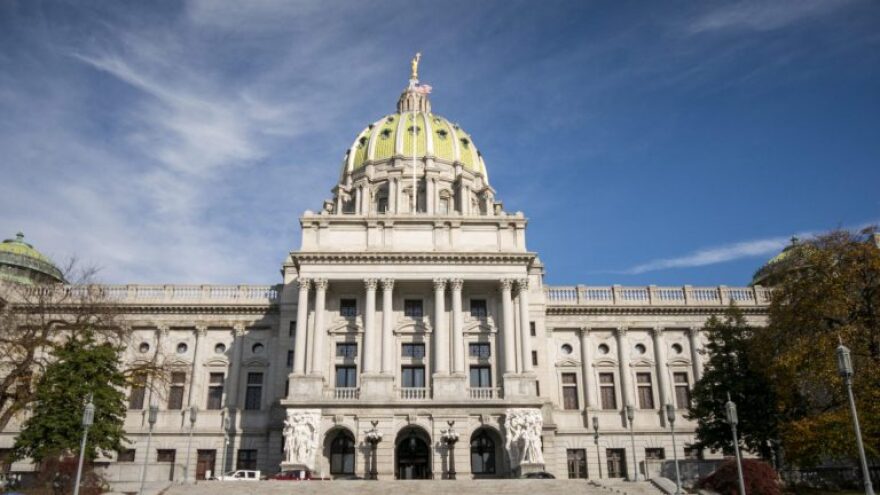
<point x="457" y="487"/>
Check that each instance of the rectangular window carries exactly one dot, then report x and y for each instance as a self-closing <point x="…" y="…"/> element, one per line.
<point x="606" y="386"/>
<point x="346" y="377"/>
<point x="382" y="204"/>
<point x="412" y="308"/>
<point x="569" y="391"/>
<point x="175" y="393"/>
<point x="646" y="391"/>
<point x="290" y="359"/>
<point x="480" y="350"/>
<point x="247" y="459"/>
<point x="693" y="453"/>
<point x="479" y="308"/>
<point x="165" y="455"/>
<point x="413" y="376"/>
<point x="537" y="388"/>
<point x="534" y="358"/>
<point x="481" y="376"/>
<point x="348" y="308"/>
<point x="577" y="463"/>
<point x="291" y="332"/>
<point x="532" y="330"/>
<point x="254" y="394"/>
<point x="655" y="454"/>
<point x="416" y="351"/>
<point x="138" y="392"/>
<point x="682" y="390"/>
<point x="346" y="349"/>
<point x="215" y="391"/>
<point x="126" y="455"/>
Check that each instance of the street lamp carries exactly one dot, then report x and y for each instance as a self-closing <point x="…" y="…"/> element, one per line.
<point x="845" y="368"/>
<point x="670" y="416"/>
<point x="596" y="440"/>
<point x="151" y="419"/>
<point x="630" y="415"/>
<point x="732" y="420"/>
<point x="225" y="443"/>
<point x="193" y="412"/>
<point x="373" y="437"/>
<point x="450" y="437"/>
<point x="87" y="421"/>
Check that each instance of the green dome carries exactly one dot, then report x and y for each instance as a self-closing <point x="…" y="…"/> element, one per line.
<point x="436" y="138"/>
<point x="21" y="263"/>
<point x="781" y="263"/>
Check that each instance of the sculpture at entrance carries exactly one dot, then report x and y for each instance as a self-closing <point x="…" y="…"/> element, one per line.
<point x="522" y="431"/>
<point x="301" y="437"/>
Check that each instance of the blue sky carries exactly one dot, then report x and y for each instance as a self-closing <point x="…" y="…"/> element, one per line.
<point x="647" y="142"/>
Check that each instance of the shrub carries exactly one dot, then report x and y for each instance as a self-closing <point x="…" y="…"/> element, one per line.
<point x="759" y="478"/>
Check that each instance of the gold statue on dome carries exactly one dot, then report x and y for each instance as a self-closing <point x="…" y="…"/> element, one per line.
<point x="415" y="66"/>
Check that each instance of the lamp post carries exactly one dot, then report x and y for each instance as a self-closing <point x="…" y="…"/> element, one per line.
<point x="87" y="420"/>
<point x="193" y="412"/>
<point x="373" y="437"/>
<point x="225" y="442"/>
<point x="844" y="366"/>
<point x="596" y="441"/>
<point x="670" y="416"/>
<point x="630" y="415"/>
<point x="151" y="419"/>
<point x="732" y="420"/>
<point x="450" y="437"/>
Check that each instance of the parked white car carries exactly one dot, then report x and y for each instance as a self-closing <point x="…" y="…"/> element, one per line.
<point x="239" y="475"/>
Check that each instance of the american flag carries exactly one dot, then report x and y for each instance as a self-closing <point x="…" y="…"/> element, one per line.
<point x="424" y="89"/>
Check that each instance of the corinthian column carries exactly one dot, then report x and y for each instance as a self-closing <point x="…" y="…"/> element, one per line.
<point x="694" y="341"/>
<point x="302" y="313"/>
<point x="370" y="340"/>
<point x="387" y="334"/>
<point x="318" y="361"/>
<point x="457" y="336"/>
<point x="662" y="371"/>
<point x="522" y="286"/>
<point x="507" y="326"/>
<point x="623" y="361"/>
<point x="441" y="333"/>
<point x="590" y="397"/>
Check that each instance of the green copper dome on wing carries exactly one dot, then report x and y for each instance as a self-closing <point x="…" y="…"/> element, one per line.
<point x="21" y="263"/>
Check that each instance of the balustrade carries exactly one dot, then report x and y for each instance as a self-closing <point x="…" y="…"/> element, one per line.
<point x="414" y="393"/>
<point x="343" y="393"/>
<point x="484" y="393"/>
<point x="656" y="296"/>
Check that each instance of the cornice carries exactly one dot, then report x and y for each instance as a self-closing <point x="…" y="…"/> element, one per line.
<point x="298" y="258"/>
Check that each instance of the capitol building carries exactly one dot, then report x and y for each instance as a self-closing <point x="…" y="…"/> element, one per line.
<point x="411" y="315"/>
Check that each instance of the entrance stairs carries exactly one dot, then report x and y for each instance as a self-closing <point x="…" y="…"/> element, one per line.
<point x="416" y="487"/>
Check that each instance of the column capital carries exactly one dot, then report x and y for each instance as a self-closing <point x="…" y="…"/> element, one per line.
<point x="201" y="330"/>
<point x="162" y="330"/>
<point x="238" y="329"/>
<point x="522" y="284"/>
<point x="585" y="331"/>
<point x="304" y="284"/>
<point x="320" y="283"/>
<point x="371" y="283"/>
<point x="620" y="331"/>
<point x="456" y="283"/>
<point x="694" y="332"/>
<point x="440" y="284"/>
<point x="387" y="284"/>
<point x="656" y="332"/>
<point x="506" y="284"/>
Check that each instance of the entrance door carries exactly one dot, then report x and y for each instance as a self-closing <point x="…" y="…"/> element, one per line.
<point x="413" y="457"/>
<point x="205" y="463"/>
<point x="616" y="463"/>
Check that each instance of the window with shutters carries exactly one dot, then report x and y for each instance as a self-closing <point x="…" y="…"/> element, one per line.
<point x="682" y="390"/>
<point x="175" y="393"/>
<point x="606" y="387"/>
<point x="646" y="391"/>
<point x="254" y="394"/>
<point x="215" y="391"/>
<point x="569" y="391"/>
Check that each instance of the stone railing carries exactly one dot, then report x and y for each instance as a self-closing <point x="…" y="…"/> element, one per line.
<point x="163" y="294"/>
<point x="343" y="393"/>
<point x="414" y="393"/>
<point x="652" y="295"/>
<point x="484" y="393"/>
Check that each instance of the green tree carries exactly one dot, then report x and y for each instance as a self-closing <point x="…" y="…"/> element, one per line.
<point x="730" y="369"/>
<point x="82" y="365"/>
<point x="827" y="290"/>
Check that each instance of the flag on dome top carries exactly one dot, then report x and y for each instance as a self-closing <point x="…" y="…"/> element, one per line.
<point x="424" y="89"/>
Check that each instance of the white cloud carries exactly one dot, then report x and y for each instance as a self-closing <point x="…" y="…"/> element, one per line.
<point x="759" y="15"/>
<point x="714" y="255"/>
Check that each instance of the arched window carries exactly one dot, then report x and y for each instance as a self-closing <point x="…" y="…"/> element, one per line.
<point x="482" y="453"/>
<point x="342" y="454"/>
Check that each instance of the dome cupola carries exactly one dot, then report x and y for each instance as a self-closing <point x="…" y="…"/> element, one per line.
<point x="21" y="263"/>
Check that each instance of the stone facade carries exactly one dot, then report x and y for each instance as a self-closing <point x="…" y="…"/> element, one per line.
<point x="414" y="314"/>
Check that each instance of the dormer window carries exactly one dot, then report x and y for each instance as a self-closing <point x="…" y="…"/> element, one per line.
<point x="390" y="119"/>
<point x="414" y="129"/>
<point x="386" y="133"/>
<point x="442" y="134"/>
<point x="362" y="141"/>
<point x="465" y="142"/>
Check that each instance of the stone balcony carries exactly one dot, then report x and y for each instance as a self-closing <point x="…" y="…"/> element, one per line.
<point x="137" y="294"/>
<point x="652" y="295"/>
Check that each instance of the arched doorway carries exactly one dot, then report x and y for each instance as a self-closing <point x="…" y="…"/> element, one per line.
<point x="483" y="453"/>
<point x="412" y="453"/>
<point x="342" y="453"/>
